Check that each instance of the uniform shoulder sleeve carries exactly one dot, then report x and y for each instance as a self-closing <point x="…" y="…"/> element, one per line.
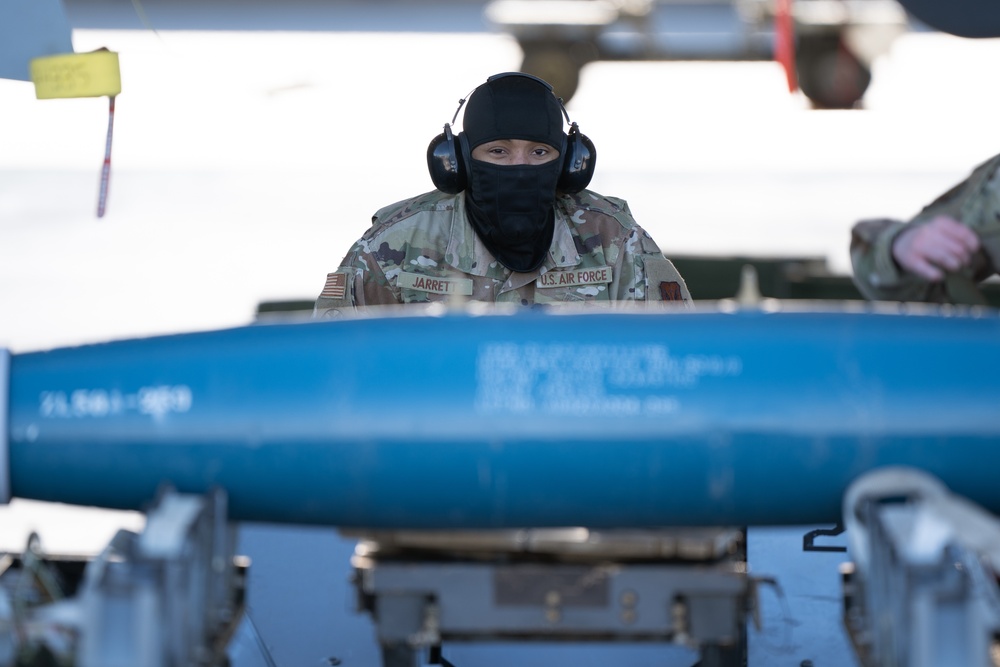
<point x="588" y="200"/>
<point x="337" y="295"/>
<point x="663" y="281"/>
<point x="357" y="282"/>
<point x="392" y="213"/>
<point x="644" y="274"/>
<point x="980" y="210"/>
<point x="361" y="280"/>
<point x="974" y="202"/>
<point x="971" y="201"/>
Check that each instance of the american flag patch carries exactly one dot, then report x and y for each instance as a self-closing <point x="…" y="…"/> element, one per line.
<point x="336" y="286"/>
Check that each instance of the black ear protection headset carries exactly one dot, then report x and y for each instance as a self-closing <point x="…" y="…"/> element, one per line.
<point x="448" y="162"/>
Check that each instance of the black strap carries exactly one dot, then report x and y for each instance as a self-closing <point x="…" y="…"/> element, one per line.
<point x="435" y="657"/>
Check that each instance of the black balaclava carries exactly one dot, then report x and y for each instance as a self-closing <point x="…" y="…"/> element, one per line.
<point x="511" y="207"/>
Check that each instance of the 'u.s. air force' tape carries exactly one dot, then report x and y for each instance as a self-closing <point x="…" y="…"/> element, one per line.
<point x="598" y="275"/>
<point x="93" y="74"/>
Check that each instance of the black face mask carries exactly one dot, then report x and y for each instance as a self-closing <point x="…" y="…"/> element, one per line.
<point x="512" y="209"/>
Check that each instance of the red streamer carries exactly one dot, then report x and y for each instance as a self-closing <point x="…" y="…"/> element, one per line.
<point x="102" y="199"/>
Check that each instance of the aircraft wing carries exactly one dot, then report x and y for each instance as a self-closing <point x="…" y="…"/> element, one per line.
<point x="965" y="18"/>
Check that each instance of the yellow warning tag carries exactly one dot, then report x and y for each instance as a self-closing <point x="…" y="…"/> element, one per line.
<point x="92" y="74"/>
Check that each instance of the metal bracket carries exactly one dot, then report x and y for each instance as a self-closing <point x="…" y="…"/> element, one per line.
<point x="176" y="585"/>
<point x="922" y="590"/>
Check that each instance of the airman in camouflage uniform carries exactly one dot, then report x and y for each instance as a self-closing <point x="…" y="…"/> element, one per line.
<point x="942" y="253"/>
<point x="423" y="250"/>
<point x="518" y="227"/>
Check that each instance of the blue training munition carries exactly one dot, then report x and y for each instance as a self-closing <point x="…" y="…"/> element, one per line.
<point x="529" y="418"/>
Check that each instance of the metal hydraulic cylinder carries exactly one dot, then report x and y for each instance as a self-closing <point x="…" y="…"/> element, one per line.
<point x="528" y="418"/>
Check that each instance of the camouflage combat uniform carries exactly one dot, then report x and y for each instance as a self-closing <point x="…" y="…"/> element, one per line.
<point x="975" y="202"/>
<point x="424" y="249"/>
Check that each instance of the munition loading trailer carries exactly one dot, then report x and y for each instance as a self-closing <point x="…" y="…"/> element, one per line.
<point x="835" y="41"/>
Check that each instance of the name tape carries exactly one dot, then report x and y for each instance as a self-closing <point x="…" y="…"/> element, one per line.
<point x="434" y="284"/>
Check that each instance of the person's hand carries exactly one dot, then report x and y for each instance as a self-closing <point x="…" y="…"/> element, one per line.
<point x="929" y="250"/>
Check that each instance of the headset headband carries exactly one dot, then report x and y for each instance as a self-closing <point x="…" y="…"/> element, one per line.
<point x="447" y="164"/>
<point x="503" y="75"/>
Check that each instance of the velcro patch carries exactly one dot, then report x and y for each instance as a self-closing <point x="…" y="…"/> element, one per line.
<point x="600" y="275"/>
<point x="335" y="287"/>
<point x="434" y="284"/>
<point x="663" y="282"/>
<point x="671" y="291"/>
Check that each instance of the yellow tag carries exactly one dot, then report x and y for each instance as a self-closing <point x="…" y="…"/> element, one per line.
<point x="93" y="74"/>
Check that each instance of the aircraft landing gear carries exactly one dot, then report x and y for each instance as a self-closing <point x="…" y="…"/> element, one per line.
<point x="559" y="63"/>
<point x="830" y="75"/>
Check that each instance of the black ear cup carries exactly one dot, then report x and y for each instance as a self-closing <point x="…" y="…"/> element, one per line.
<point x="445" y="163"/>
<point x="579" y="162"/>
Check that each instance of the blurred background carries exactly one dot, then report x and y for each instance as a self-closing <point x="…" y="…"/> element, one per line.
<point x="253" y="141"/>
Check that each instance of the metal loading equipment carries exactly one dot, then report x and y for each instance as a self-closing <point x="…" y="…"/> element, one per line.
<point x="427" y="590"/>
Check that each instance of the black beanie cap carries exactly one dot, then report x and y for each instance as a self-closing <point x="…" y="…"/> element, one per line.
<point x="513" y="106"/>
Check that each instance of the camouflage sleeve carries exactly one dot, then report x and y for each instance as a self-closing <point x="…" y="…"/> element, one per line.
<point x="664" y="281"/>
<point x="358" y="282"/>
<point x="974" y="202"/>
<point x="875" y="271"/>
<point x="644" y="274"/>
<point x="980" y="210"/>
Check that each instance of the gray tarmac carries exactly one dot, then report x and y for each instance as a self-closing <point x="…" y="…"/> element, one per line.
<point x="246" y="162"/>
